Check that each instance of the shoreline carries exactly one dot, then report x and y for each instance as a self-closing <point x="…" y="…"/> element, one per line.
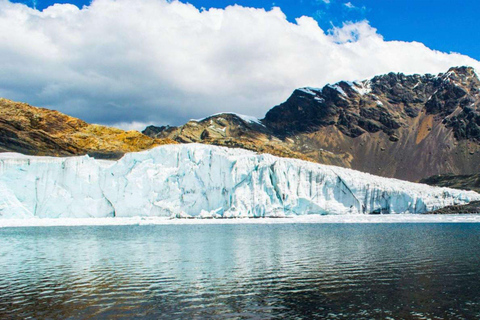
<point x="306" y="219"/>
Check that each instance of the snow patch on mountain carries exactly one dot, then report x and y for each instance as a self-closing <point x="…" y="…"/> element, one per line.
<point x="309" y="90"/>
<point x="248" y="119"/>
<point x="338" y="88"/>
<point x="362" y="87"/>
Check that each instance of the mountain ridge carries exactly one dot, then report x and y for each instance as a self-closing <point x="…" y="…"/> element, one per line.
<point x="39" y="131"/>
<point x="395" y="125"/>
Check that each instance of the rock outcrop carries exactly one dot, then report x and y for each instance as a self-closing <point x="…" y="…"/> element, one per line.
<point x="470" y="208"/>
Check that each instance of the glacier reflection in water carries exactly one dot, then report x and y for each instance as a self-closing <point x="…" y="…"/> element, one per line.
<point x="241" y="271"/>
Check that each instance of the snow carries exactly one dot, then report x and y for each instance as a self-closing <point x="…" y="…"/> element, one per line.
<point x="245" y="118"/>
<point x="220" y="130"/>
<point x="310" y="90"/>
<point x="201" y="180"/>
<point x="362" y="88"/>
<point x="338" y="88"/>
<point x="249" y="119"/>
<point x="477" y="73"/>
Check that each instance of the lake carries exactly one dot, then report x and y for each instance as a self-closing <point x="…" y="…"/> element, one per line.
<point x="243" y="271"/>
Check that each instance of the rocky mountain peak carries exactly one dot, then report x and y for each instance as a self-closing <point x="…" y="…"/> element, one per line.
<point x="383" y="103"/>
<point x="465" y="71"/>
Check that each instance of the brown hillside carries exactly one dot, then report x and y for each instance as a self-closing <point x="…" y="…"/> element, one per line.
<point x="39" y="131"/>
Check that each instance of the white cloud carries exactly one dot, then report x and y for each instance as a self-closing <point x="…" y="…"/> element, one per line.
<point x="130" y="62"/>
<point x="349" y="5"/>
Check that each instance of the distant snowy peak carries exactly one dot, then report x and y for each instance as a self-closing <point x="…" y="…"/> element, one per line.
<point x="203" y="181"/>
<point x="365" y="87"/>
<point x="406" y="126"/>
<point x="311" y="91"/>
<point x="248" y="119"/>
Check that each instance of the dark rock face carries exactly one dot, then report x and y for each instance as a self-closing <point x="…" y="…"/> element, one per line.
<point x="384" y="103"/>
<point x="152" y="131"/>
<point x="395" y="125"/>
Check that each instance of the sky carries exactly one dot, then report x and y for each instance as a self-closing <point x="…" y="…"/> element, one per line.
<point x="131" y="63"/>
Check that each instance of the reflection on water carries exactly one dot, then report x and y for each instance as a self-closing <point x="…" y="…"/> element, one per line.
<point x="241" y="271"/>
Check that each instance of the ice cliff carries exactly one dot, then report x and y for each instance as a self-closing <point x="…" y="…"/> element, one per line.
<point x="201" y="180"/>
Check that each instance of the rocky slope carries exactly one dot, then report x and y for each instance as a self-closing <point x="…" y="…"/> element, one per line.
<point x="408" y="127"/>
<point x="39" y="131"/>
<point x="239" y="131"/>
<point x="395" y="125"/>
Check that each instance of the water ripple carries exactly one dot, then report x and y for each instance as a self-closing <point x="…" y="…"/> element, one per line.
<point x="241" y="271"/>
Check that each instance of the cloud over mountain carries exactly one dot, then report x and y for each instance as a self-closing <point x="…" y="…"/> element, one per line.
<point x="155" y="61"/>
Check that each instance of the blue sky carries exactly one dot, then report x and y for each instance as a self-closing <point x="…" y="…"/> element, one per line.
<point x="445" y="25"/>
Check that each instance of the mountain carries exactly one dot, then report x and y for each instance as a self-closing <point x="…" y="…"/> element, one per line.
<point x="205" y="181"/>
<point x="39" y="131"/>
<point x="239" y="131"/>
<point x="408" y="127"/>
<point x="404" y="126"/>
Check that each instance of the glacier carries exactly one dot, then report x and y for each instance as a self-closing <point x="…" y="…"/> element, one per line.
<point x="193" y="180"/>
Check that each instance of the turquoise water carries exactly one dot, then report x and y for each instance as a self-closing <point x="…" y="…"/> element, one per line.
<point x="338" y="271"/>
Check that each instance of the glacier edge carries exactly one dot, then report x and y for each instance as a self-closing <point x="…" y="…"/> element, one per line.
<point x="205" y="181"/>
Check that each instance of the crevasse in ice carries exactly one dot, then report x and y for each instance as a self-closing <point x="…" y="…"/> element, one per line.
<point x="205" y="181"/>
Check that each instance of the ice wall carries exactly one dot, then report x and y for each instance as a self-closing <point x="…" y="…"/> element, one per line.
<point x="203" y="180"/>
